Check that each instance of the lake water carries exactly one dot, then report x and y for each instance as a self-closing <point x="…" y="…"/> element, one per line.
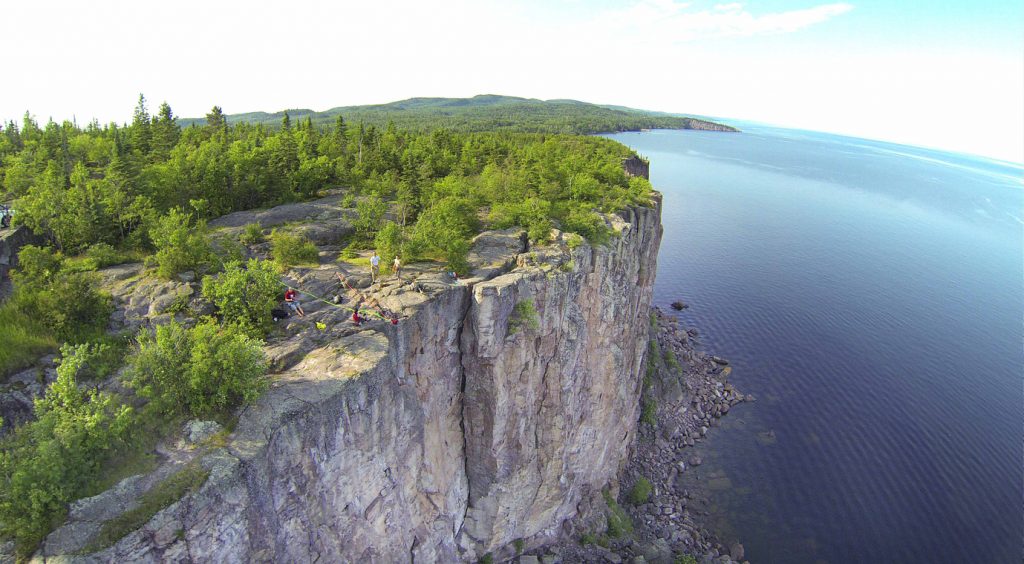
<point x="871" y="297"/>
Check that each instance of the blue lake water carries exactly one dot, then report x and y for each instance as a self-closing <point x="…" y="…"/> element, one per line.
<point x="871" y="296"/>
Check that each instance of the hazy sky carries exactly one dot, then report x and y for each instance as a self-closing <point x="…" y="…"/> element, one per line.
<point x="945" y="74"/>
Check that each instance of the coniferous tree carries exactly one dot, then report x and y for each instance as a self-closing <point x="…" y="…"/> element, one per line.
<point x="140" y="134"/>
<point x="215" y="119"/>
<point x="165" y="132"/>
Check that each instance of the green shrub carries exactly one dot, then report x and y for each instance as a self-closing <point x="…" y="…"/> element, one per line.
<point x="203" y="371"/>
<point x="641" y="492"/>
<point x="350" y="252"/>
<point x="671" y="361"/>
<point x="252" y="234"/>
<point x="105" y="255"/>
<point x="523" y="315"/>
<point x="619" y="523"/>
<point x="69" y="305"/>
<point x="181" y="243"/>
<point x="50" y="461"/>
<point x="573" y="240"/>
<point x="37" y="265"/>
<point x="290" y="249"/>
<point x="685" y="559"/>
<point x="518" y="545"/>
<point x="244" y="295"/>
<point x="97" y="360"/>
<point x="369" y="215"/>
<point x="588" y="223"/>
<point x="487" y="559"/>
<point x="649" y="414"/>
<point x="653" y="351"/>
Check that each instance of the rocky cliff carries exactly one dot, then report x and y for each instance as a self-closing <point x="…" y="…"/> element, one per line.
<point x="496" y="410"/>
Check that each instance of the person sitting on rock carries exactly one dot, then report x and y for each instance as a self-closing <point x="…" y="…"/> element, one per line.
<point x="290" y="299"/>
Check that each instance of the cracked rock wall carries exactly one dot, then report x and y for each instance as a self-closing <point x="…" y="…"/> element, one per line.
<point x="439" y="439"/>
<point x="551" y="411"/>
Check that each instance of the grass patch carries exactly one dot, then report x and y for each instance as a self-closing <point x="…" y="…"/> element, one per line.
<point x="641" y="492"/>
<point x="619" y="523"/>
<point x="518" y="544"/>
<point x="24" y="340"/>
<point x="356" y="261"/>
<point x="187" y="480"/>
<point x="653" y="350"/>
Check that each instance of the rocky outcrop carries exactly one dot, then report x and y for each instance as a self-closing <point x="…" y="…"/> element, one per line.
<point x="635" y="166"/>
<point x="497" y="409"/>
<point x="704" y="125"/>
<point x="11" y="241"/>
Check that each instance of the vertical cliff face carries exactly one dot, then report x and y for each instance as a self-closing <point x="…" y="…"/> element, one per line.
<point x="470" y="424"/>
<point x="551" y="409"/>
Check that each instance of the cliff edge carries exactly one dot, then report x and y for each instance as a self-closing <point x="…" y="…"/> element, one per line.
<point x="492" y="416"/>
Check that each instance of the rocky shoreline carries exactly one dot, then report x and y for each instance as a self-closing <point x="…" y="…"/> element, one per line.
<point x="685" y="393"/>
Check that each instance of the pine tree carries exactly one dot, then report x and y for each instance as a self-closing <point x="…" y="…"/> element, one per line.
<point x="215" y="119"/>
<point x="140" y="134"/>
<point x="165" y="132"/>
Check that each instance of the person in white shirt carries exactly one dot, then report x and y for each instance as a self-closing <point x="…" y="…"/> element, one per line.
<point x="374" y="267"/>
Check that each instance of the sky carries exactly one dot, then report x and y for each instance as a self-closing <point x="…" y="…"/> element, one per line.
<point x="942" y="74"/>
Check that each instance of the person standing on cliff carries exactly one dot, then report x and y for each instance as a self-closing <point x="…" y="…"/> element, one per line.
<point x="374" y="267"/>
<point x="397" y="267"/>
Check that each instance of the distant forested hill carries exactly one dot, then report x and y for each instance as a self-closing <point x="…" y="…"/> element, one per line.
<point x="486" y="113"/>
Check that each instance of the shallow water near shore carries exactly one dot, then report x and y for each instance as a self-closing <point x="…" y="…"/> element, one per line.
<point x="870" y="296"/>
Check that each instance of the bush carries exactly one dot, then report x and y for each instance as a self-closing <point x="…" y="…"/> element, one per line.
<point x="244" y="295"/>
<point x="69" y="306"/>
<point x="52" y="460"/>
<point x="671" y="361"/>
<point x="105" y="255"/>
<point x="289" y="249"/>
<point x="523" y="315"/>
<point x="203" y="371"/>
<point x="252" y="234"/>
<point x="37" y="265"/>
<point x="573" y="240"/>
<point x="181" y="244"/>
<point x="619" y="523"/>
<point x="641" y="492"/>
<point x="588" y="223"/>
<point x="649" y="414"/>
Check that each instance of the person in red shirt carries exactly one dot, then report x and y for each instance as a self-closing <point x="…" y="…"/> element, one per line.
<point x="290" y="299"/>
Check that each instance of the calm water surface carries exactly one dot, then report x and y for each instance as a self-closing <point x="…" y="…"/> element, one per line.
<point x="871" y="296"/>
